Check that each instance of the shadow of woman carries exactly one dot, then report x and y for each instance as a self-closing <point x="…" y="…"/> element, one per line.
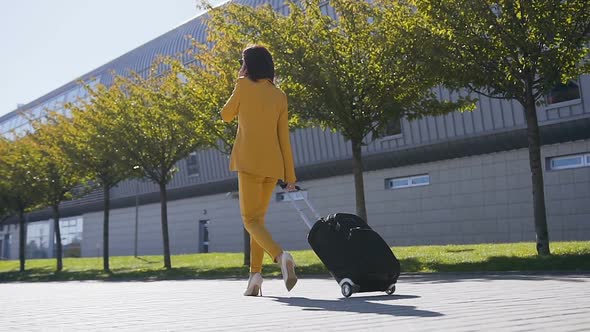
<point x="363" y="305"/>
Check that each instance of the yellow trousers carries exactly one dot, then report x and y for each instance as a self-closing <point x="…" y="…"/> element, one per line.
<point x="255" y="194"/>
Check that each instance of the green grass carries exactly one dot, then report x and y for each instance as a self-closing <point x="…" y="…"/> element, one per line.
<point x="566" y="256"/>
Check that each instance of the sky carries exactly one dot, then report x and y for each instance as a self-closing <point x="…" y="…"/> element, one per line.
<point x="46" y="44"/>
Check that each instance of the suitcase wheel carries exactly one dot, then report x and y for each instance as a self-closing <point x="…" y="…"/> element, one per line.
<point x="346" y="289"/>
<point x="390" y="290"/>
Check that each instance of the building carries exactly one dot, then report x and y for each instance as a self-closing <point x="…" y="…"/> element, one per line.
<point x="458" y="178"/>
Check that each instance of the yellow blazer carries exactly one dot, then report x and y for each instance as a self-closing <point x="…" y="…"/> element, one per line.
<point x="262" y="145"/>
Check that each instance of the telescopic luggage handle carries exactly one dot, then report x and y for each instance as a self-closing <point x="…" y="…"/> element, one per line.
<point x="301" y="213"/>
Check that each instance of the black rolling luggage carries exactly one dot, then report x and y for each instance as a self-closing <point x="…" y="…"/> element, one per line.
<point x="356" y="256"/>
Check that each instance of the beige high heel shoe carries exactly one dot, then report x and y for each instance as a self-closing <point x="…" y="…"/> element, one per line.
<point x="254" y="285"/>
<point x="288" y="270"/>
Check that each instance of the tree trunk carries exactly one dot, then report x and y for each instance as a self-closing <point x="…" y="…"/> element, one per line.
<point x="21" y="238"/>
<point x="246" y="248"/>
<point x="105" y="229"/>
<point x="359" y="186"/>
<point x="164" y="205"/>
<point x="57" y="232"/>
<point x="534" y="142"/>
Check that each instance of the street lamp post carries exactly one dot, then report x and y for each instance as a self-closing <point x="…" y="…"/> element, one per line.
<point x="136" y="215"/>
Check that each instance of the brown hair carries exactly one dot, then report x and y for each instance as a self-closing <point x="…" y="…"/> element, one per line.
<point x="258" y="63"/>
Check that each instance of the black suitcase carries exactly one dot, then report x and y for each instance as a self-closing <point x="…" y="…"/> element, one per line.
<point x="356" y="256"/>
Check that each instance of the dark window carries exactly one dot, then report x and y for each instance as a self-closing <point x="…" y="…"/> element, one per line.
<point x="192" y="164"/>
<point x="409" y="181"/>
<point x="5" y="247"/>
<point x="571" y="161"/>
<point x="204" y="236"/>
<point x="71" y="237"/>
<point x="393" y="127"/>
<point x="563" y="92"/>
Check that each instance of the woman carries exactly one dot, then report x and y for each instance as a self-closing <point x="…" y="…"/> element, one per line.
<point x="261" y="155"/>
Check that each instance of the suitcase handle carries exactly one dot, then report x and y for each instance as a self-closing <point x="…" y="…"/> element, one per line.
<point x="283" y="185"/>
<point x="301" y="213"/>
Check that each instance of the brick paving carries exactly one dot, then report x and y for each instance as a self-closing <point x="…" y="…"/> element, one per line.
<point x="438" y="302"/>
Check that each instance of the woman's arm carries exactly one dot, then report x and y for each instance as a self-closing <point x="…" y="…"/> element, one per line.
<point x="285" y="143"/>
<point x="230" y="109"/>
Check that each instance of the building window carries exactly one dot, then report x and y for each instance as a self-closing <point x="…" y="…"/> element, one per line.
<point x="38" y="240"/>
<point x="192" y="164"/>
<point x="406" y="182"/>
<point x="72" y="95"/>
<point x="572" y="161"/>
<point x="5" y="246"/>
<point x="37" y="112"/>
<point x="71" y="237"/>
<point x="563" y="92"/>
<point x="324" y="9"/>
<point x="295" y="196"/>
<point x="182" y="78"/>
<point x="392" y="127"/>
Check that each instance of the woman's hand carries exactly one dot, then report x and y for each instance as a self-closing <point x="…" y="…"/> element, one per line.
<point x="291" y="187"/>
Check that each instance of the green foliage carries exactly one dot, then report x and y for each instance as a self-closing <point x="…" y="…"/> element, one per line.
<point x="62" y="174"/>
<point x="352" y="74"/>
<point x="209" y="87"/>
<point x="213" y="75"/>
<point x="157" y="119"/>
<point x="90" y="139"/>
<point x="6" y="206"/>
<point x="511" y="49"/>
<point x="500" y="47"/>
<point x="21" y="168"/>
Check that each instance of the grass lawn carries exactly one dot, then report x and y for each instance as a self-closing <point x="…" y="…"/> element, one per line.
<point x="566" y="256"/>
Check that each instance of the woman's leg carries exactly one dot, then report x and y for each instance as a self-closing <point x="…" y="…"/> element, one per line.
<point x="256" y="256"/>
<point x="255" y="194"/>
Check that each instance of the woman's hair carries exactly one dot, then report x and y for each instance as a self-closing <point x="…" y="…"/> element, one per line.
<point x="258" y="62"/>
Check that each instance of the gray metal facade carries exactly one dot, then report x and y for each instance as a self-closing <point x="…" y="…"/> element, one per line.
<point x="447" y="147"/>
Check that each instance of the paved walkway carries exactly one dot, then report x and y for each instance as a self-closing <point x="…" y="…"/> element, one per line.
<point x="440" y="302"/>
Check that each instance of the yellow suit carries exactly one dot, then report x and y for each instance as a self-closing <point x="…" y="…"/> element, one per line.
<point x="262" y="144"/>
<point x="261" y="155"/>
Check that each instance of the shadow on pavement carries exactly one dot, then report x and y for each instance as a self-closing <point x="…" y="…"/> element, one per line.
<point x="359" y="305"/>
<point x="384" y="297"/>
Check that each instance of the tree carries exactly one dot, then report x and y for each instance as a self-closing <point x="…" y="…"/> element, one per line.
<point x="90" y="140"/>
<point x="514" y="50"/>
<point x="6" y="208"/>
<point x="61" y="174"/>
<point x="158" y="119"/>
<point x="5" y="211"/>
<point x="20" y="166"/>
<point x="352" y="74"/>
